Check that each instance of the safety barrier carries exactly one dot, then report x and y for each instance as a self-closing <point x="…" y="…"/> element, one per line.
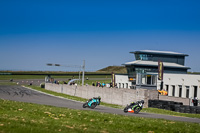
<point x="173" y="106"/>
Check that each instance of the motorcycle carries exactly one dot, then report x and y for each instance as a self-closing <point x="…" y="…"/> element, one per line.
<point x="134" y="107"/>
<point x="92" y="102"/>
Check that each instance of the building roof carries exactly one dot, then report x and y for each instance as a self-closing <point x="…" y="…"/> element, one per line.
<point x="159" y="52"/>
<point x="155" y="64"/>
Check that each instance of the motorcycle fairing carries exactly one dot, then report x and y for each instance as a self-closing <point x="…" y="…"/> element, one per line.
<point x="93" y="101"/>
<point x="130" y="110"/>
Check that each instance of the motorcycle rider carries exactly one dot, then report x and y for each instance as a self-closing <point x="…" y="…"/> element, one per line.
<point x="99" y="99"/>
<point x="137" y="103"/>
<point x="95" y="98"/>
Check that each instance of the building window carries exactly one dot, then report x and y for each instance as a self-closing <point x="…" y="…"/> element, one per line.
<point x="187" y="91"/>
<point x="173" y="90"/>
<point x="122" y="85"/>
<point x="180" y="90"/>
<point x="143" y="56"/>
<point x="167" y="87"/>
<point x="119" y="85"/>
<point x="126" y="85"/>
<point x="143" y="79"/>
<point x="195" y="91"/>
<point x="149" y="79"/>
<point x="153" y="77"/>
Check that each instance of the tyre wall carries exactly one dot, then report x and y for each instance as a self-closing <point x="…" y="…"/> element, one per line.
<point x="174" y="106"/>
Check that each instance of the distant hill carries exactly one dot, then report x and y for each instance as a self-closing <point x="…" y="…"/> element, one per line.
<point x="115" y="69"/>
<point x="198" y="73"/>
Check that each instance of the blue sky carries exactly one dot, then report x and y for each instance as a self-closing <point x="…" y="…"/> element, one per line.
<point x="33" y="33"/>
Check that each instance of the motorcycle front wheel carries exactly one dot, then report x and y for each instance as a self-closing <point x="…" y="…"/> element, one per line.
<point x="125" y="109"/>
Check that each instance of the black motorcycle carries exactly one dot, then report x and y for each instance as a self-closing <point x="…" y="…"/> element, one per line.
<point x="134" y="107"/>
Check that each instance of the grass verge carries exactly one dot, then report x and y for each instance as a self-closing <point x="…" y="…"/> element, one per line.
<point x="8" y="83"/>
<point x="14" y="77"/>
<point x="18" y="117"/>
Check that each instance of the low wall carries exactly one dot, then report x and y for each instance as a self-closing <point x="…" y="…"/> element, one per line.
<point x="108" y="95"/>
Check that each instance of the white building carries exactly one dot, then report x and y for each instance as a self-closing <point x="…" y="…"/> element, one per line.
<point x="143" y="73"/>
<point x="182" y="85"/>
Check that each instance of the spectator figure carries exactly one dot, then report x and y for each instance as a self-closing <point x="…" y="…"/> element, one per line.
<point x="75" y="88"/>
<point x="93" y="84"/>
<point x="111" y="85"/>
<point x="103" y="84"/>
<point x="96" y="83"/>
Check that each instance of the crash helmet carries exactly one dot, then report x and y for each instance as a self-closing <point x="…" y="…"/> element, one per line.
<point x="99" y="97"/>
<point x="142" y="101"/>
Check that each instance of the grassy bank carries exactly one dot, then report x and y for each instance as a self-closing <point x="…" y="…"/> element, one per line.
<point x="7" y="83"/>
<point x="17" y="117"/>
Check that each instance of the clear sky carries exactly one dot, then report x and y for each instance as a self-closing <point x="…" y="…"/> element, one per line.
<point x="101" y="32"/>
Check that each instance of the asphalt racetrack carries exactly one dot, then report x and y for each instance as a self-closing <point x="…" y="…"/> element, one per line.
<point x="18" y="93"/>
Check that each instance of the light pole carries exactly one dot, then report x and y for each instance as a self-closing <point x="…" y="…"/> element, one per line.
<point x="81" y="67"/>
<point x="83" y="72"/>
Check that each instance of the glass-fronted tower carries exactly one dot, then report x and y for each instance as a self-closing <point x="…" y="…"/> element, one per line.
<point x="143" y="71"/>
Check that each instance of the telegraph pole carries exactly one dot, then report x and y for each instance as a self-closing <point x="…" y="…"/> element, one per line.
<point x="81" y="67"/>
<point x="83" y="72"/>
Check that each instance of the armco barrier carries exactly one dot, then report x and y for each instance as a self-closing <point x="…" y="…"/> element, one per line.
<point x="108" y="95"/>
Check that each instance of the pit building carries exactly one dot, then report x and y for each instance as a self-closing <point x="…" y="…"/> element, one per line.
<point x="143" y="73"/>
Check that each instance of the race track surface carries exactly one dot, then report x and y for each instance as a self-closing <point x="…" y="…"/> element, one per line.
<point x="18" y="93"/>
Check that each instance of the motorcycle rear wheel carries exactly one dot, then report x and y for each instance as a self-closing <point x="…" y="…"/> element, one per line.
<point x="93" y="105"/>
<point x="125" y="110"/>
<point x="136" y="110"/>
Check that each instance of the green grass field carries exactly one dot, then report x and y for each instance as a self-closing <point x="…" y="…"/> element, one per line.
<point x="17" y="117"/>
<point x="14" y="77"/>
